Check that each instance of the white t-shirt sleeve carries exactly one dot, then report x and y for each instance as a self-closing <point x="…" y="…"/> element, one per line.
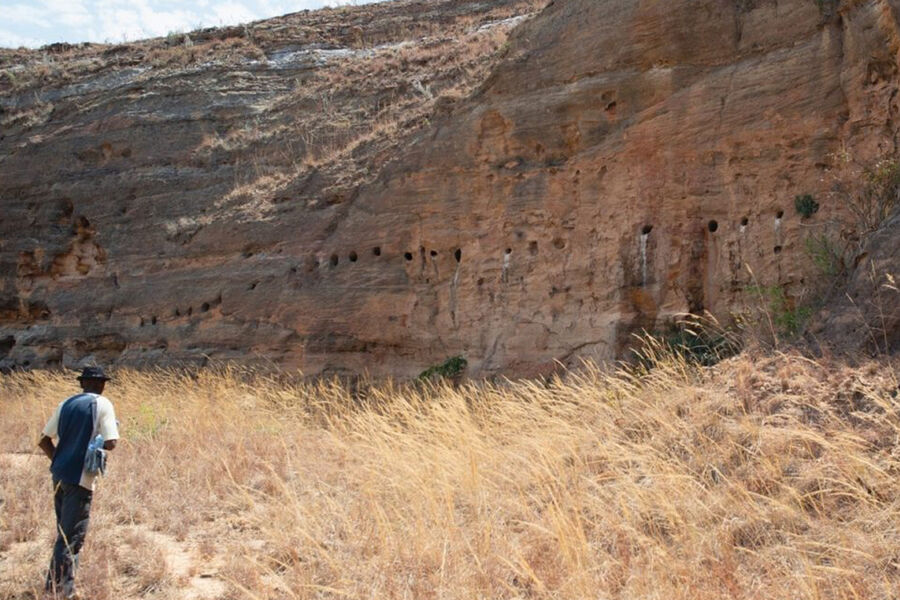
<point x="106" y="416"/>
<point x="51" y="429"/>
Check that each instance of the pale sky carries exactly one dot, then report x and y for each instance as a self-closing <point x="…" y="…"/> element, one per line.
<point x="34" y="23"/>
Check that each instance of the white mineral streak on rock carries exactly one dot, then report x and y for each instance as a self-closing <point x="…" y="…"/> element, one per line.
<point x="454" y="285"/>
<point x="510" y="22"/>
<point x="644" y="237"/>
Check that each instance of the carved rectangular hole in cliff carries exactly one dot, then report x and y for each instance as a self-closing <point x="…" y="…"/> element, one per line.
<point x="353" y="257"/>
<point x="434" y="253"/>
<point x="38" y="311"/>
<point x="6" y="345"/>
<point x="204" y="307"/>
<point x="533" y="248"/>
<point x="777" y="249"/>
<point x="745" y="221"/>
<point x="376" y="251"/>
<point x="457" y="254"/>
<point x="334" y="260"/>
<point x="408" y="256"/>
<point x="713" y="226"/>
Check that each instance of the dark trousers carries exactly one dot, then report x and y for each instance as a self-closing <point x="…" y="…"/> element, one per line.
<point x="73" y="509"/>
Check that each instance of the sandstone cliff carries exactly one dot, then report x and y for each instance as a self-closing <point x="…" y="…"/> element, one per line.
<point x="380" y="188"/>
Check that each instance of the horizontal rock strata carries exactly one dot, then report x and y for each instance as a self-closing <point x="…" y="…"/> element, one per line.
<point x="339" y="197"/>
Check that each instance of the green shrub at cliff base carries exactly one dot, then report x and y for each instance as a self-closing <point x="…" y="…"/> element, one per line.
<point x="806" y="205"/>
<point x="449" y="369"/>
<point x="693" y="339"/>
<point x="787" y="318"/>
<point x="702" y="347"/>
<point x="828" y="257"/>
<point x="880" y="197"/>
<point x="701" y="339"/>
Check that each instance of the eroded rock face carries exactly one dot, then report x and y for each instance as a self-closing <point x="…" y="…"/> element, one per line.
<point x="624" y="161"/>
<point x="863" y="317"/>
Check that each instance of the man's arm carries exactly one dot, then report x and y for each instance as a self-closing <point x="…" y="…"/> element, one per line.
<point x="109" y="427"/>
<point x="46" y="444"/>
<point x="51" y="430"/>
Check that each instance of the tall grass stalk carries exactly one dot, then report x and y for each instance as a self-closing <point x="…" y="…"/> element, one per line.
<point x="760" y="477"/>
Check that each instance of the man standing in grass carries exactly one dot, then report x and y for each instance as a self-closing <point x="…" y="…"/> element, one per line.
<point x="76" y="422"/>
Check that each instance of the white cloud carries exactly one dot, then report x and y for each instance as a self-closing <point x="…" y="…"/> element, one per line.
<point x="24" y="14"/>
<point x="10" y="39"/>
<point x="231" y="13"/>
<point x="47" y="21"/>
<point x="70" y="13"/>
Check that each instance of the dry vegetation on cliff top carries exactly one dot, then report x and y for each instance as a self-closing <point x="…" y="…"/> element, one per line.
<point x="357" y="81"/>
<point x="765" y="477"/>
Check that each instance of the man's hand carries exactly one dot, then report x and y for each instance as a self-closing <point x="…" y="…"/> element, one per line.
<point x="109" y="445"/>
<point x="46" y="444"/>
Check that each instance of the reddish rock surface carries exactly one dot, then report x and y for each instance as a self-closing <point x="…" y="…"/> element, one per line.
<point x="370" y="205"/>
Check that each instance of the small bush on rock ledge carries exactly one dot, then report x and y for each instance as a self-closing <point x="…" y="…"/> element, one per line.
<point x="806" y="205"/>
<point x="451" y="368"/>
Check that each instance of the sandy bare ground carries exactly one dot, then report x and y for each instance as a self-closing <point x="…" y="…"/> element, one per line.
<point x="197" y="578"/>
<point x="21" y="460"/>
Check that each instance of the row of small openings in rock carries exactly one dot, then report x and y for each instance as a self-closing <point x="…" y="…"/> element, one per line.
<point x="745" y="221"/>
<point x="176" y="312"/>
<point x="558" y="243"/>
<point x="408" y="256"/>
<point x="713" y="225"/>
<point x="334" y="260"/>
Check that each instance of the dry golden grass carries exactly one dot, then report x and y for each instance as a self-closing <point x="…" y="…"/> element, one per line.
<point x="766" y="477"/>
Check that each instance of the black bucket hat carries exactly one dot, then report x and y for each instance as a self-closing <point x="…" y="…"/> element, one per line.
<point x="93" y="373"/>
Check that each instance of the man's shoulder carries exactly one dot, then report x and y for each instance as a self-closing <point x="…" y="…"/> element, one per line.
<point x="74" y="399"/>
<point x="88" y="396"/>
<point x="104" y="405"/>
